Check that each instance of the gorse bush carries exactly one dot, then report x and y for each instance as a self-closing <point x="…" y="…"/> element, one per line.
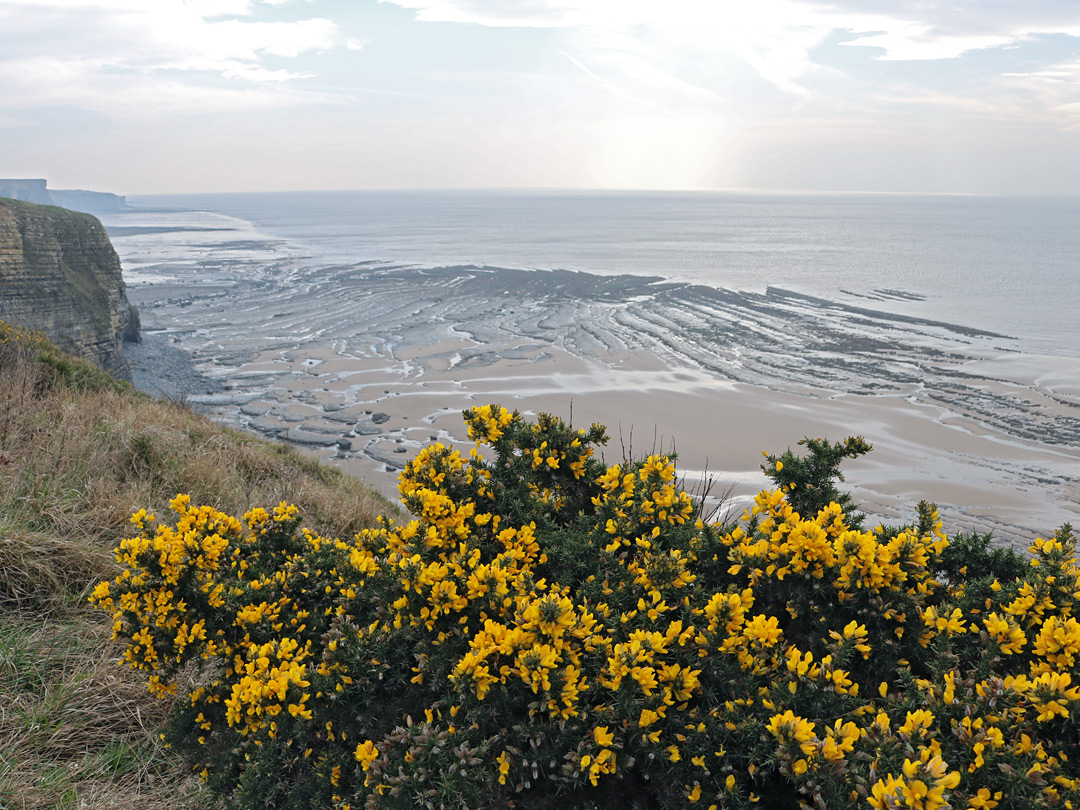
<point x="553" y="632"/>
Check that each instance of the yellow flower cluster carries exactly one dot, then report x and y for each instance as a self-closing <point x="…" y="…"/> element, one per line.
<point x="638" y="507"/>
<point x="603" y="761"/>
<point x="826" y="548"/>
<point x="487" y="423"/>
<point x="157" y="567"/>
<point x="265" y="675"/>
<point x="174" y="580"/>
<point x="18" y="338"/>
<point x="563" y="626"/>
<point x="923" y="785"/>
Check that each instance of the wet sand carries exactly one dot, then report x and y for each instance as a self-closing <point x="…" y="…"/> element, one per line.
<point x="365" y="363"/>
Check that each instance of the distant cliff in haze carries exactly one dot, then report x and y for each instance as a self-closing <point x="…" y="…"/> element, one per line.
<point x="37" y="191"/>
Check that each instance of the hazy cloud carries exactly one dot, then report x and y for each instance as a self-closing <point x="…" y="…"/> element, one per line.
<point x="777" y="38"/>
<point x="1057" y="87"/>
<point x="101" y="52"/>
<point x="617" y="93"/>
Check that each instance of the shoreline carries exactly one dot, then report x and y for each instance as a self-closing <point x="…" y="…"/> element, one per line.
<point x="368" y="412"/>
<point x="363" y="364"/>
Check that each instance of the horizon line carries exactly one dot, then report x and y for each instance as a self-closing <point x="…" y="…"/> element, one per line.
<point x="614" y="190"/>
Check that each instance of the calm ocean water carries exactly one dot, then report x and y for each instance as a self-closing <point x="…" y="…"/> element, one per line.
<point x="1005" y="264"/>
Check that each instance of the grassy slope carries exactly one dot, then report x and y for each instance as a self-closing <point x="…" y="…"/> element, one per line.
<point x="79" y="452"/>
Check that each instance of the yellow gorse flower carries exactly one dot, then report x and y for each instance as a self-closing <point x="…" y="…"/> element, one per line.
<point x="550" y="609"/>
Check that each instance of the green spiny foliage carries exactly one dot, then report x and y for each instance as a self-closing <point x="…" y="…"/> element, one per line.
<point x="550" y="632"/>
<point x="810" y="481"/>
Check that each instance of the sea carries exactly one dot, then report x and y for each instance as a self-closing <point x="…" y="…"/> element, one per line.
<point x="1004" y="264"/>
<point x="962" y="307"/>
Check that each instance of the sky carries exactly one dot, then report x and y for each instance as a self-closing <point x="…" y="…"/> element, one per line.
<point x="159" y="96"/>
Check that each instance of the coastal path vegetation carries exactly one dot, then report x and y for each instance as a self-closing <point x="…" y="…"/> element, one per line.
<point x="550" y="630"/>
<point x="79" y="452"/>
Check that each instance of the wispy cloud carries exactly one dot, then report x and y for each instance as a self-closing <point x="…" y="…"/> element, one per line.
<point x="679" y="93"/>
<point x="1056" y="86"/>
<point x="631" y="76"/>
<point x="773" y="36"/>
<point x="109" y="54"/>
<point x="777" y="39"/>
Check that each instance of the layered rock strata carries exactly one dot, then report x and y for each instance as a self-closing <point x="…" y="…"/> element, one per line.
<point x="60" y="275"/>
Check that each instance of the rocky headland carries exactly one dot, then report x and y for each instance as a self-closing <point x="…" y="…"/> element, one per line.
<point x="60" y="275"/>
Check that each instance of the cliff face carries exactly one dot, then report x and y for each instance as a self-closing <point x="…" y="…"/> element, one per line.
<point x="92" y="202"/>
<point x="59" y="274"/>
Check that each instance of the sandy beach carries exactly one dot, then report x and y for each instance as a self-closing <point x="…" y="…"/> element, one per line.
<point x="365" y="364"/>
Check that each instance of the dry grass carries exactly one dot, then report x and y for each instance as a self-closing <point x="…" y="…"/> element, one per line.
<point x="75" y="729"/>
<point x="79" y="453"/>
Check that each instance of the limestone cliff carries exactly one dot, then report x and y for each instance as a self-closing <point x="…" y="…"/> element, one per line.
<point x="92" y="202"/>
<point x="34" y="191"/>
<point x="59" y="274"/>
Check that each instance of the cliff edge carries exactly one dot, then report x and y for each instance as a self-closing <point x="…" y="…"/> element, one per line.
<point x="59" y="274"/>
